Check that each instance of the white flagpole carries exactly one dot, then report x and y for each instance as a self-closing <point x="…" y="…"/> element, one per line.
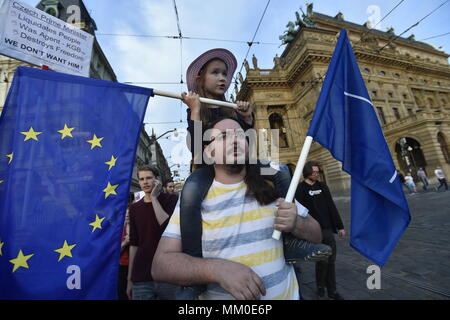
<point x="296" y="178"/>
<point x="203" y="100"/>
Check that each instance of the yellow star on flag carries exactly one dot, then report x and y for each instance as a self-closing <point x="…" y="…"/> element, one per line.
<point x="1" y="181"/>
<point x="1" y="247"/>
<point x="65" y="251"/>
<point x="20" y="261"/>
<point x="95" y="142"/>
<point x="10" y="156"/>
<point x="97" y="224"/>
<point x="31" y="134"/>
<point x="111" y="163"/>
<point x="66" y="132"/>
<point x="110" y="189"/>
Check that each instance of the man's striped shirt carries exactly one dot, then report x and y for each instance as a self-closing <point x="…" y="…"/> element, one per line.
<point x="237" y="228"/>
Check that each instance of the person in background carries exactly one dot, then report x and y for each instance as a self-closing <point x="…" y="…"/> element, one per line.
<point x="148" y="219"/>
<point x="423" y="178"/>
<point x="169" y="187"/>
<point x="124" y="255"/>
<point x="316" y="197"/>
<point x="409" y="182"/>
<point x="441" y="178"/>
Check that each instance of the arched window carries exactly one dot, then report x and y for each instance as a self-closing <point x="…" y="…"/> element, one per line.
<point x="409" y="155"/>
<point x="444" y="147"/>
<point x="276" y="122"/>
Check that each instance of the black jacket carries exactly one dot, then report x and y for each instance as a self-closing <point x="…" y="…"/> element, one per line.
<point x="317" y="199"/>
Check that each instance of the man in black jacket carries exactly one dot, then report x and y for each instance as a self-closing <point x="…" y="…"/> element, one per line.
<point x="316" y="197"/>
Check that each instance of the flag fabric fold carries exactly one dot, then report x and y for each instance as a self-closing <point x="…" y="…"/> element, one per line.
<point x="345" y="123"/>
<point x="67" y="150"/>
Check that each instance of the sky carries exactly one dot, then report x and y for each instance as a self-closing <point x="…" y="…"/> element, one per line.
<point x="150" y="61"/>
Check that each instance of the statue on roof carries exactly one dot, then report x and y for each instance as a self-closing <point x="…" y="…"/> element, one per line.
<point x="276" y="61"/>
<point x="306" y="18"/>
<point x="255" y="62"/>
<point x="241" y="78"/>
<point x="289" y="34"/>
<point x="247" y="67"/>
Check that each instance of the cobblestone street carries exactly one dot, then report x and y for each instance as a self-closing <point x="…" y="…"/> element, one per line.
<point x="419" y="267"/>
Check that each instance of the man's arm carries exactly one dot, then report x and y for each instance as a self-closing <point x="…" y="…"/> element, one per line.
<point x="171" y="265"/>
<point x="307" y="228"/>
<point x="160" y="213"/>
<point x="132" y="254"/>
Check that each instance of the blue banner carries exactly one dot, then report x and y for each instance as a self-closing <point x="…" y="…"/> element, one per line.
<point x="346" y="124"/>
<point x="67" y="150"/>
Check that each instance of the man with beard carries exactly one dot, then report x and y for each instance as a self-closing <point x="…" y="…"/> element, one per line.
<point x="240" y="259"/>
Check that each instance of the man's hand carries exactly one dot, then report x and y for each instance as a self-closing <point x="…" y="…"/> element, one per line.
<point x="156" y="189"/>
<point x="129" y="290"/>
<point x="286" y="216"/>
<point x="239" y="280"/>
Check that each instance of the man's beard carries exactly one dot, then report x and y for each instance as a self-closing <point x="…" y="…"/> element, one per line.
<point x="233" y="169"/>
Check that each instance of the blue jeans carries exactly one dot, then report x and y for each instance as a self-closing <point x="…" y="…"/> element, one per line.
<point x="153" y="291"/>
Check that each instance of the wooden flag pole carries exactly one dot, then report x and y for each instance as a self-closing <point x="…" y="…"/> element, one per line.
<point x="203" y="100"/>
<point x="296" y="178"/>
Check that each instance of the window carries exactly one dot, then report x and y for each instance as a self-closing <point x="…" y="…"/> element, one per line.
<point x="366" y="70"/>
<point x="381" y="115"/>
<point x="411" y="79"/>
<point x="405" y="96"/>
<point x="276" y="122"/>
<point x="374" y="94"/>
<point x="396" y="113"/>
<point x="382" y="73"/>
<point x="410" y="112"/>
<point x="396" y="75"/>
<point x="390" y="94"/>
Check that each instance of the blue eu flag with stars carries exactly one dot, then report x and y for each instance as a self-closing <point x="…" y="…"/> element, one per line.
<point x="67" y="150"/>
<point x="345" y="123"/>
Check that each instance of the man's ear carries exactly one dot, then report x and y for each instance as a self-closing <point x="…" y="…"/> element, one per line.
<point x="208" y="153"/>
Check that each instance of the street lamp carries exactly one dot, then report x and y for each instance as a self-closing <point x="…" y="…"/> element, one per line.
<point x="175" y="133"/>
<point x="412" y="156"/>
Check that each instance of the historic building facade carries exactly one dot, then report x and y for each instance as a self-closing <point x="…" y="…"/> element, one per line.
<point x="408" y="80"/>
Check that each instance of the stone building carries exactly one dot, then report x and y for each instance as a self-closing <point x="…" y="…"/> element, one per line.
<point x="408" y="80"/>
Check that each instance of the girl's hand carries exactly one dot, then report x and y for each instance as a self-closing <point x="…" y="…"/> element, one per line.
<point x="245" y="109"/>
<point x="192" y="100"/>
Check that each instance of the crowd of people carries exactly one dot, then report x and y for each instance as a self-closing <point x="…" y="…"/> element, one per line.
<point x="214" y="239"/>
<point x="410" y="184"/>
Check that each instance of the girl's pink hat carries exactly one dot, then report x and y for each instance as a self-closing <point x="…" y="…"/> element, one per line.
<point x="195" y="67"/>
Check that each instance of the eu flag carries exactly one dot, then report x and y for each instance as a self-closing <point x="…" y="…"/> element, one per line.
<point x="345" y="123"/>
<point x="67" y="149"/>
